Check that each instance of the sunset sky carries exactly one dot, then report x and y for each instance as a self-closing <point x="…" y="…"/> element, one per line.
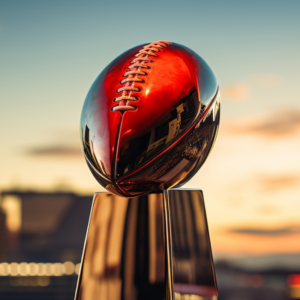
<point x="51" y="52"/>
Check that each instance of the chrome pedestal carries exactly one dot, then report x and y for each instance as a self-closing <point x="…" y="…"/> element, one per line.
<point x="149" y="247"/>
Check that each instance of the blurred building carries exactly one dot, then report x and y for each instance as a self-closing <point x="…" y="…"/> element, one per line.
<point x="51" y="227"/>
<point x="41" y="241"/>
<point x="3" y="237"/>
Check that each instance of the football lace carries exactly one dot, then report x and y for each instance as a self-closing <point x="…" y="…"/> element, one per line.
<point x="133" y="73"/>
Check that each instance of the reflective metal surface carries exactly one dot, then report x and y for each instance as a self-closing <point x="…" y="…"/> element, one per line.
<point x="148" y="247"/>
<point x="193" y="270"/>
<point x="162" y="134"/>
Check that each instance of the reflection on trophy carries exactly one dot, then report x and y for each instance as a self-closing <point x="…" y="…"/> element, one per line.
<point x="148" y="124"/>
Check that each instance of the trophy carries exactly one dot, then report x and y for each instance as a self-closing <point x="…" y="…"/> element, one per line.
<point x="148" y="123"/>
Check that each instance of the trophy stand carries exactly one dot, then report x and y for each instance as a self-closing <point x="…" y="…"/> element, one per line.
<point x="154" y="246"/>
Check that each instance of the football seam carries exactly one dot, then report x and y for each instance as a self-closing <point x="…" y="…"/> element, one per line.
<point x="135" y="70"/>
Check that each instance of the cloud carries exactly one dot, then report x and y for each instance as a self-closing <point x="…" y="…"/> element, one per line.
<point x="280" y="231"/>
<point x="273" y="183"/>
<point x="267" y="80"/>
<point x="237" y="92"/>
<point x="276" y="125"/>
<point x="268" y="210"/>
<point x="285" y="261"/>
<point x="241" y="91"/>
<point x="279" y="123"/>
<point x="55" y="151"/>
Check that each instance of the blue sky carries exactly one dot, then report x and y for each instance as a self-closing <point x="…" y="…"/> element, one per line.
<point x="51" y="52"/>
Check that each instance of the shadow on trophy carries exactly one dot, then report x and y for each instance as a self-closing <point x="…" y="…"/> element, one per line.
<point x="148" y="124"/>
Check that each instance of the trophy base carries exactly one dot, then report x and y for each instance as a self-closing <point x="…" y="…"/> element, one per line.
<point x="154" y="246"/>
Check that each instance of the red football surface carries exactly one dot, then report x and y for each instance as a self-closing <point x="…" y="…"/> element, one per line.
<point x="150" y="119"/>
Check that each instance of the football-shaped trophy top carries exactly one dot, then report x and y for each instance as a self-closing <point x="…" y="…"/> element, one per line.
<point x="150" y="119"/>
